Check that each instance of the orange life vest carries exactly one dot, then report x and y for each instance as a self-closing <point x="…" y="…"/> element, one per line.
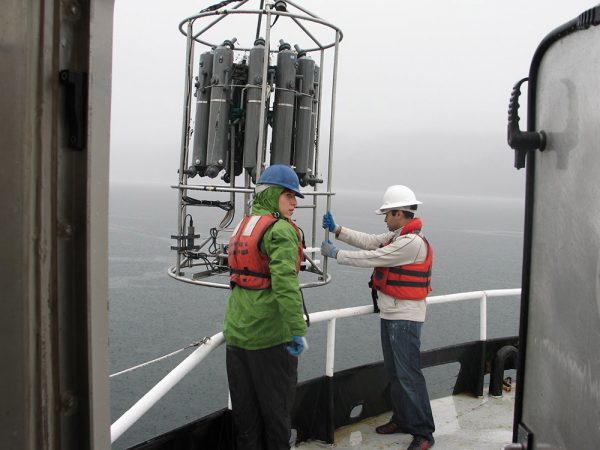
<point x="248" y="265"/>
<point x="408" y="282"/>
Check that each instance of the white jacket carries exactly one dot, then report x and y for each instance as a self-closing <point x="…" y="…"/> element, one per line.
<point x="404" y="249"/>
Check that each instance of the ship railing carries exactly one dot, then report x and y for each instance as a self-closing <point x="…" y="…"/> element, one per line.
<point x="143" y="405"/>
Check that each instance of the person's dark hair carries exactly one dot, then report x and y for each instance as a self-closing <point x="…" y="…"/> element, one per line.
<point x="406" y="214"/>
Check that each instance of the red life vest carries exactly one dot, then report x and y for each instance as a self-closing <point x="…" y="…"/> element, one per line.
<point x="408" y="282"/>
<point x="248" y="265"/>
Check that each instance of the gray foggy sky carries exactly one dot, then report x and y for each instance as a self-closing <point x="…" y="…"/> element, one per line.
<point x="423" y="89"/>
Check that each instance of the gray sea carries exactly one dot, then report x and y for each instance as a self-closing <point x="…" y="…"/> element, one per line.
<point x="477" y="245"/>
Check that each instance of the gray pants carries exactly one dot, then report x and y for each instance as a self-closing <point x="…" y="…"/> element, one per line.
<point x="262" y="384"/>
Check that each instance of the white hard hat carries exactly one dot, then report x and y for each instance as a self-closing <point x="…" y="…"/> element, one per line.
<point x="397" y="197"/>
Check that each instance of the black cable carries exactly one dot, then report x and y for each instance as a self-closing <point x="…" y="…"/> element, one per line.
<point x="231" y="217"/>
<point x="304" y="308"/>
<point x="204" y="257"/>
<point x="207" y="262"/>
<point x="226" y="206"/>
<point x="218" y="5"/>
<point x="213" y="249"/>
<point x="302" y="237"/>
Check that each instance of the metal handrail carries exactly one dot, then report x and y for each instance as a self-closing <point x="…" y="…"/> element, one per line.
<point x="269" y="12"/>
<point x="142" y="406"/>
<point x="172" y="272"/>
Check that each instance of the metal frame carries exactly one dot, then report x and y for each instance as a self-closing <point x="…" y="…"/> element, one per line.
<point x="193" y="36"/>
<point x="54" y="235"/>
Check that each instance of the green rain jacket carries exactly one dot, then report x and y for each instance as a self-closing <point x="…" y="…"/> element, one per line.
<point x="257" y="319"/>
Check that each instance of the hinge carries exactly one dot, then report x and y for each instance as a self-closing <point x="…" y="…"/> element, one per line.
<point x="524" y="439"/>
<point x="76" y="97"/>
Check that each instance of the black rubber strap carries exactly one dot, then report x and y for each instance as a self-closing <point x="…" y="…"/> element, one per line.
<point x="408" y="283"/>
<point x="249" y="273"/>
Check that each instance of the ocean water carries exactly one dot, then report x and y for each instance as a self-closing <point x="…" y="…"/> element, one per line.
<point x="477" y="245"/>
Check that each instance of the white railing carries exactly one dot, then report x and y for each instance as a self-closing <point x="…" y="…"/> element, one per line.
<point x="142" y="406"/>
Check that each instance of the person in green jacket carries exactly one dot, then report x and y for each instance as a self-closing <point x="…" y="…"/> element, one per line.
<point x="264" y="323"/>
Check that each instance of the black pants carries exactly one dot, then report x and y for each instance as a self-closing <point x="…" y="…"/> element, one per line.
<point x="262" y="385"/>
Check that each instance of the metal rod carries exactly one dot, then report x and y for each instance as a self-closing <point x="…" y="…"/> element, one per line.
<point x="312" y="206"/>
<point x="305" y="11"/>
<point x="318" y="118"/>
<point x="209" y="26"/>
<point x="224" y="13"/>
<point x="308" y="33"/>
<point x="211" y="188"/>
<point x="331" y="133"/>
<point x="216" y="21"/>
<point x="172" y="274"/>
<point x="313" y="284"/>
<point x="319" y="194"/>
<point x="258" y="26"/>
<point x="332" y="120"/>
<point x="181" y="208"/>
<point x="317" y="142"/>
<point x="313" y="264"/>
<point x="263" y="95"/>
<point x="472" y="295"/>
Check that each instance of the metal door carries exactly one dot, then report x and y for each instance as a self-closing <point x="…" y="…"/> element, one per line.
<point x="558" y="400"/>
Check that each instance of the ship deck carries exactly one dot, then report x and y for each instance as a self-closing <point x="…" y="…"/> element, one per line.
<point x="462" y="422"/>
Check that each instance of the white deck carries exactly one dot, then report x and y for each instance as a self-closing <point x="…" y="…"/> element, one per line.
<point x="462" y="422"/>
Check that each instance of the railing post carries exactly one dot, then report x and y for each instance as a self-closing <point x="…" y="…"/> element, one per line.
<point x="329" y="387"/>
<point x="483" y="317"/>
<point x="330" y="361"/>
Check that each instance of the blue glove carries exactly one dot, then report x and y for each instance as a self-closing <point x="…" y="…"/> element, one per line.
<point x="328" y="249"/>
<point x="328" y="222"/>
<point x="297" y="345"/>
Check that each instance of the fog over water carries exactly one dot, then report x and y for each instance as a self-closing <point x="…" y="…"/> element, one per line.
<point x="422" y="93"/>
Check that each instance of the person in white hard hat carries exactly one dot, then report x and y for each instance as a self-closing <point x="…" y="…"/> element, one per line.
<point x="401" y="261"/>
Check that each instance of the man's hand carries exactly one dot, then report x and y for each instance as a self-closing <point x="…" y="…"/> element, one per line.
<point x="328" y="222"/>
<point x="328" y="249"/>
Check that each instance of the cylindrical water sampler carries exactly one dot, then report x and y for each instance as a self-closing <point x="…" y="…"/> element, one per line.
<point x="283" y="108"/>
<point x="304" y="109"/>
<point x="205" y="69"/>
<point x="218" y="121"/>
<point x="254" y="104"/>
